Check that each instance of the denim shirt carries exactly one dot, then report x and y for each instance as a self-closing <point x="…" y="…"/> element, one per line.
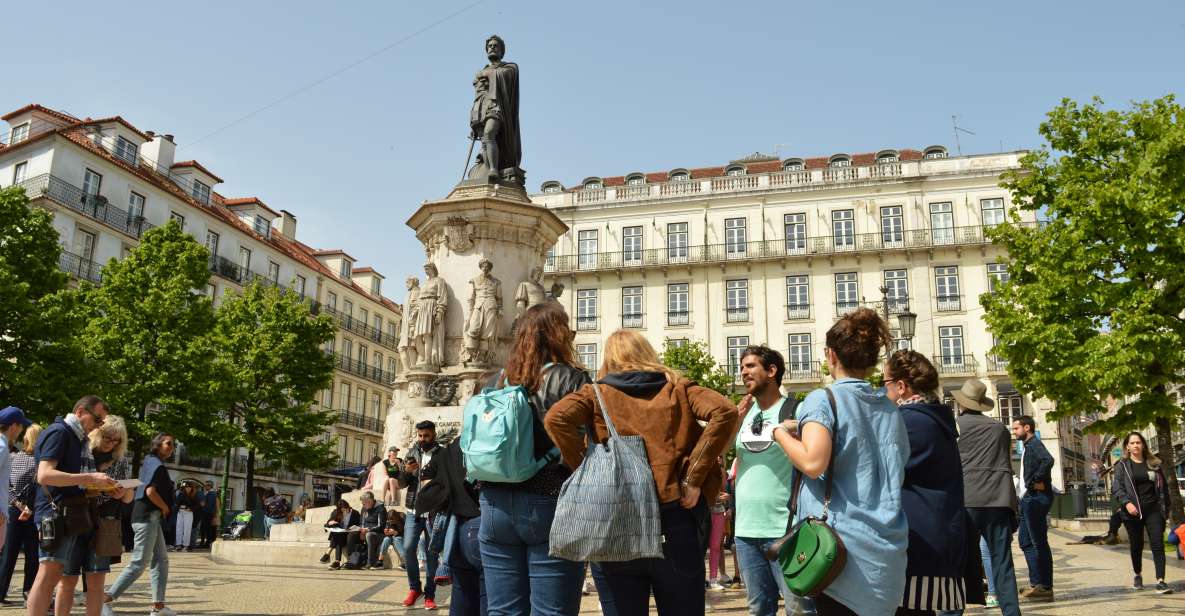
<point x="872" y="450"/>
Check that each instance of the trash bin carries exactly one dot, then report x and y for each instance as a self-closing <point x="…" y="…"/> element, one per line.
<point x="1079" y="490"/>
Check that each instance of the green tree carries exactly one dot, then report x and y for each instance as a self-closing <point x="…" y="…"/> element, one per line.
<point x="148" y="328"/>
<point x="269" y="350"/>
<point x="42" y="369"/>
<point x="694" y="361"/>
<point x="1095" y="305"/>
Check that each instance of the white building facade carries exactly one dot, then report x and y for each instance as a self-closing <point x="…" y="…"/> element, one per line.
<point x="107" y="182"/>
<point x="772" y="251"/>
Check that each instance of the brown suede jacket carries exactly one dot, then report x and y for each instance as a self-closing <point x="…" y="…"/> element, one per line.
<point x="665" y="414"/>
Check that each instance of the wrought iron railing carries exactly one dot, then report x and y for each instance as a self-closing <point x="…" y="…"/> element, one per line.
<point x="80" y="268"/>
<point x="798" y="311"/>
<point x="677" y="318"/>
<point x="93" y="206"/>
<point x="948" y="303"/>
<point x="996" y="364"/>
<point x="803" y="371"/>
<point x="585" y="324"/>
<point x="360" y="327"/>
<point x="956" y="365"/>
<point x="736" y="315"/>
<point x="364" y="370"/>
<point x="360" y="421"/>
<point x="631" y="321"/>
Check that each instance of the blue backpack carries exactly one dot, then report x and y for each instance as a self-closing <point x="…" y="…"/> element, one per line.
<point x="498" y="435"/>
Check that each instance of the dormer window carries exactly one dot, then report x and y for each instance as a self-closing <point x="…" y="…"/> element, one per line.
<point x="840" y="160"/>
<point x="793" y="164"/>
<point x="886" y="157"/>
<point x="680" y="175"/>
<point x="126" y="150"/>
<point x="347" y="269"/>
<point x="262" y="225"/>
<point x="376" y="286"/>
<point x="635" y="179"/>
<point x="734" y="170"/>
<point x="20" y="132"/>
<point x="200" y="191"/>
<point x="552" y="187"/>
<point x="934" y="152"/>
<point x="593" y="184"/>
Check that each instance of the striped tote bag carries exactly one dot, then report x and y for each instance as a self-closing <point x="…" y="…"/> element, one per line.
<point x="608" y="509"/>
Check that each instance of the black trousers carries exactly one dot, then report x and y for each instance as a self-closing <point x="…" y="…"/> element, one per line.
<point x="826" y="606"/>
<point x="19" y="535"/>
<point x="373" y="541"/>
<point x="1153" y="524"/>
<point x="337" y="543"/>
<point x="677" y="581"/>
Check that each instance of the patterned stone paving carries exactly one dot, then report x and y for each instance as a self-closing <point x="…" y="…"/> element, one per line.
<point x="1089" y="580"/>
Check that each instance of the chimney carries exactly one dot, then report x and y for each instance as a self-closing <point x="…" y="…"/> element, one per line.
<point x="287" y="224"/>
<point x="160" y="150"/>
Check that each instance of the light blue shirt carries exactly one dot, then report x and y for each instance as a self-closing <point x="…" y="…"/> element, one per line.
<point x="5" y="473"/>
<point x="865" y="510"/>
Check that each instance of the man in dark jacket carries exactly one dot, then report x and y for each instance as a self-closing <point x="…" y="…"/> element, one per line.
<point x="1036" y="498"/>
<point x="372" y="519"/>
<point x="417" y="522"/>
<point x="985" y="450"/>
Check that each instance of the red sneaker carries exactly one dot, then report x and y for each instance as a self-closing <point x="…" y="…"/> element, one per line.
<point x="429" y="604"/>
<point x="412" y="596"/>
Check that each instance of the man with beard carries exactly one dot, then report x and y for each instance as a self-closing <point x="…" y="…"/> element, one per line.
<point x="417" y="523"/>
<point x="763" y="482"/>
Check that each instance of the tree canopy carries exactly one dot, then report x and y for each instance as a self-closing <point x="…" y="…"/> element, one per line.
<point x="694" y="361"/>
<point x="1095" y="302"/>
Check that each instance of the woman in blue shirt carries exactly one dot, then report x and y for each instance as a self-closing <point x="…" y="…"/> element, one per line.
<point x="872" y="449"/>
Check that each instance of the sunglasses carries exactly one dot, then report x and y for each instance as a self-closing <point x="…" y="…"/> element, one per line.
<point x="757" y="426"/>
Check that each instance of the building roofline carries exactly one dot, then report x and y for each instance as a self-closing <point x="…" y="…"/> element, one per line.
<point x="196" y="165"/>
<point x="248" y="201"/>
<point x="61" y="115"/>
<point x="143" y="135"/>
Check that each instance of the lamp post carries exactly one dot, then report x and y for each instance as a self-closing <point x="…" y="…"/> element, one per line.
<point x="906" y="321"/>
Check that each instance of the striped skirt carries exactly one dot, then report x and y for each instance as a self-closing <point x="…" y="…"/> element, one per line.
<point x="934" y="593"/>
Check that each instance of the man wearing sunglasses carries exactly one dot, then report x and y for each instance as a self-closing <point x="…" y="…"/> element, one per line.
<point x="763" y="482"/>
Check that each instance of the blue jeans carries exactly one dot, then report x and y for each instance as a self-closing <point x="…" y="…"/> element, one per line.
<point x="521" y="578"/>
<point x="413" y="525"/>
<point x="676" y="581"/>
<point x="149" y="550"/>
<point x="268" y="523"/>
<point x="995" y="527"/>
<point x="394" y="542"/>
<point x="20" y="536"/>
<point x="469" y="594"/>
<point x="764" y="582"/>
<point x="444" y="535"/>
<point x="1034" y="537"/>
<point x="985" y="555"/>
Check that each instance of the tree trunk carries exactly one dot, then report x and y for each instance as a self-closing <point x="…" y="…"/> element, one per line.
<point x="1168" y="462"/>
<point x="250" y="480"/>
<point x="225" y="487"/>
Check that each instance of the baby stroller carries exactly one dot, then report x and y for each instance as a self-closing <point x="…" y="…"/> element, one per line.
<point x="238" y="526"/>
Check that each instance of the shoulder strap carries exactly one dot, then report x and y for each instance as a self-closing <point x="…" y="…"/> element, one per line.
<point x="789" y="408"/>
<point x="604" y="411"/>
<point x="797" y="487"/>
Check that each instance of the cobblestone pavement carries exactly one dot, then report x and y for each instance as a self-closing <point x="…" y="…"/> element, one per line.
<point x="1089" y="580"/>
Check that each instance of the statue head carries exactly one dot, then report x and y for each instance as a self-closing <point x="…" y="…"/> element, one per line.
<point x="485" y="265"/>
<point x="430" y="270"/>
<point x="536" y="273"/>
<point x="412" y="282"/>
<point x="495" y="48"/>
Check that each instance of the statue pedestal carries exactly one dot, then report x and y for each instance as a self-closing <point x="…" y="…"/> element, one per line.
<point x="476" y="221"/>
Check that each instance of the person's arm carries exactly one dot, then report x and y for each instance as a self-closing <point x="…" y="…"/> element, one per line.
<point x="564" y="421"/>
<point x="812" y="452"/>
<point x="721" y="417"/>
<point x="155" y="498"/>
<point x="49" y="475"/>
<point x="1043" y="467"/>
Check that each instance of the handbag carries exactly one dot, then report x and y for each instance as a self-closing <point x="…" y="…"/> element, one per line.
<point x="109" y="537"/>
<point x="608" y="509"/>
<point x="811" y="554"/>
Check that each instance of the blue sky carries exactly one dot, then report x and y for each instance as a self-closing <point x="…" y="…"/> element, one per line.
<point x="607" y="87"/>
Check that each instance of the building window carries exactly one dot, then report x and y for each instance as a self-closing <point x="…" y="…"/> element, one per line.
<point x="391" y="367"/>
<point x="200" y="191"/>
<point x="734" y="170"/>
<point x="135" y="204"/>
<point x="376" y="286"/>
<point x="736" y="346"/>
<point x="798" y="359"/>
<point x="347" y="269"/>
<point x="635" y="180"/>
<point x="997" y="275"/>
<point x="737" y="301"/>
<point x="680" y="177"/>
<point x="892" y="226"/>
<point x="298" y="285"/>
<point x="897" y="287"/>
<point x="245" y="259"/>
<point x="885" y="159"/>
<point x="348" y="310"/>
<point x="331" y="300"/>
<point x="549" y="259"/>
<point x="375" y="404"/>
<point x="1011" y="406"/>
<point x="364" y="316"/>
<point x="593" y="184"/>
<point x="378" y="361"/>
<point x="792" y="165"/>
<point x="942" y="223"/>
<point x="934" y="153"/>
<point x="20" y="132"/>
<point x="358" y="450"/>
<point x="341" y="448"/>
<point x="588" y="356"/>
<point x="212" y="243"/>
<point x="586" y="309"/>
<point x="360" y="402"/>
<point x="347" y="349"/>
<point x="19" y="172"/>
<point x="552" y="187"/>
<point x="993" y="212"/>
<point x="631" y="307"/>
<point x="847" y="296"/>
<point x="946" y="287"/>
<point x="631" y="244"/>
<point x="178" y="218"/>
<point x="262" y="226"/>
<point x="798" y="302"/>
<point x="378" y="326"/>
<point x="586" y="247"/>
<point x="795" y="233"/>
<point x="126" y="150"/>
<point x="273" y="272"/>
<point x="843" y="229"/>
<point x="677" y="343"/>
<point x="841" y="161"/>
<point x="91" y="182"/>
<point x="677" y="304"/>
<point x="84" y="244"/>
<point x="950" y="346"/>
<point x="211" y="290"/>
<point x="346" y="399"/>
<point x="677" y="241"/>
<point x="735" y="237"/>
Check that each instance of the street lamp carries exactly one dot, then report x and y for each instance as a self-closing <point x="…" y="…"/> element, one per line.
<point x="906" y="321"/>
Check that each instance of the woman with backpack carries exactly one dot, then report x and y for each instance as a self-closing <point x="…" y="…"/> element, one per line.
<point x="861" y="462"/>
<point x="645" y="398"/>
<point x="1141" y="489"/>
<point x="521" y="577"/>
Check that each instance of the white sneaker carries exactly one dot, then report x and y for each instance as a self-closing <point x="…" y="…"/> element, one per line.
<point x="107" y="610"/>
<point x="724" y="581"/>
<point x="715" y="586"/>
<point x="164" y="611"/>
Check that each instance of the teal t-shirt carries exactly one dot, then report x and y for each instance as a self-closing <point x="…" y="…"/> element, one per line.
<point x="763" y="480"/>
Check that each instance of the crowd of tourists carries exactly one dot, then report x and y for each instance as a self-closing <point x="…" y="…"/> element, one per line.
<point x="851" y="500"/>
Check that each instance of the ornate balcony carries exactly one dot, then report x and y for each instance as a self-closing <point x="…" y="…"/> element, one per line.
<point x="95" y="207"/>
<point x="956" y="365"/>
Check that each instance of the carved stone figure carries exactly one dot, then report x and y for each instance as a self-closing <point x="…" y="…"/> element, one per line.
<point x="494" y="118"/>
<point x="428" y="331"/>
<point x="530" y="292"/>
<point x="485" y="315"/>
<point x="407" y="346"/>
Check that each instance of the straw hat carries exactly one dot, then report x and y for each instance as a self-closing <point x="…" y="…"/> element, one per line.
<point x="973" y="396"/>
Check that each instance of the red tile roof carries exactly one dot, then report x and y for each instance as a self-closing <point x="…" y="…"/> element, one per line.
<point x="817" y="162"/>
<point x="332" y="252"/>
<point x="368" y="270"/>
<point x="65" y="117"/>
<point x="195" y="164"/>
<point x="119" y="120"/>
<point x="249" y="201"/>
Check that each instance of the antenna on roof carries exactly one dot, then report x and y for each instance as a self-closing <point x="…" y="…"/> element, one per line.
<point x="954" y="121"/>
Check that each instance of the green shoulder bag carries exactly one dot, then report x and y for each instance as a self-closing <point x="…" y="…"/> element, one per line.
<point x="811" y="554"/>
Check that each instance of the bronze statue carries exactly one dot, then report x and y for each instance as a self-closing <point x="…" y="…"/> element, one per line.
<point x="494" y="119"/>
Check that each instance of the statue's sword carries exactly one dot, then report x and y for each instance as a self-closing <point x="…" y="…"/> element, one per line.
<point x="468" y="157"/>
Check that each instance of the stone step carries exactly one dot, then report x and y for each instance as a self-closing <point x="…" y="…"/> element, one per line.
<point x="280" y="553"/>
<point x="299" y="532"/>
